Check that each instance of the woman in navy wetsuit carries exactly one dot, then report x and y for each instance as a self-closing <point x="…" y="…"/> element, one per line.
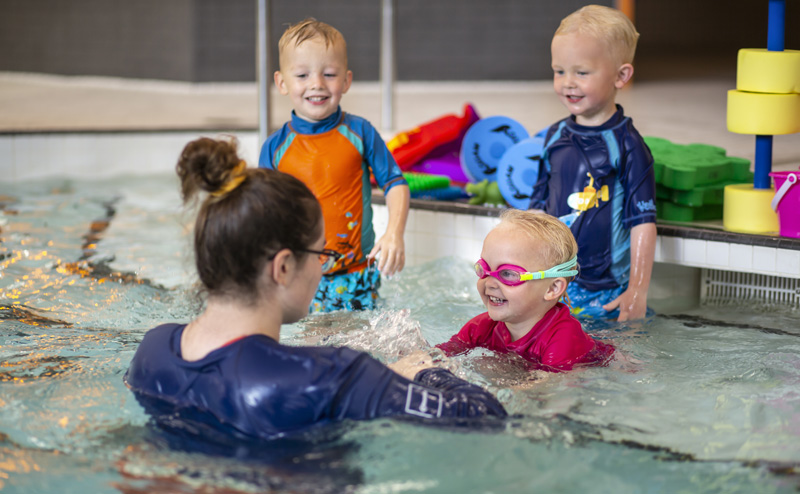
<point x="258" y="244"/>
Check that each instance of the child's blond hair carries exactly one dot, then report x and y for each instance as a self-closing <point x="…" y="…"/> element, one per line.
<point x="559" y="242"/>
<point x="311" y="28"/>
<point x="606" y="24"/>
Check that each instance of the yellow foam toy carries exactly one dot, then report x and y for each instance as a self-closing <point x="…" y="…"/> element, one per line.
<point x="762" y="113"/>
<point x="748" y="210"/>
<point x="763" y="71"/>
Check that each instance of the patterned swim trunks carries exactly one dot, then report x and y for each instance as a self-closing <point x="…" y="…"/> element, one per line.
<point x="589" y="303"/>
<point x="350" y="291"/>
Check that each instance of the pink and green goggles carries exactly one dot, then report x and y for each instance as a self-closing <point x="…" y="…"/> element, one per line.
<point x="513" y="275"/>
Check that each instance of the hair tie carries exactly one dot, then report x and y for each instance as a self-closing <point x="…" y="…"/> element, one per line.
<point x="237" y="176"/>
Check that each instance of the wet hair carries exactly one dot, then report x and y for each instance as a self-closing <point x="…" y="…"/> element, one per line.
<point x="608" y="25"/>
<point x="249" y="215"/>
<point x="311" y="28"/>
<point x="559" y="242"/>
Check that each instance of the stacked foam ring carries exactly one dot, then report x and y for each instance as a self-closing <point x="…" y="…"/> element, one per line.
<point x="766" y="100"/>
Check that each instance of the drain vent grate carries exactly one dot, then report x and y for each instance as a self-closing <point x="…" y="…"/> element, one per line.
<point x="725" y="287"/>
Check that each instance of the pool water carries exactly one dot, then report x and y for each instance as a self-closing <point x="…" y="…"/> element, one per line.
<point x="699" y="401"/>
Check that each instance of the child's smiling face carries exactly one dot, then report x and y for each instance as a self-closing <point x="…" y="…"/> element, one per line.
<point x="315" y="77"/>
<point x="521" y="306"/>
<point x="586" y="77"/>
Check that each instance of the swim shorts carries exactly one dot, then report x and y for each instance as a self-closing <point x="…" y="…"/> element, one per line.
<point x="588" y="304"/>
<point x="350" y="291"/>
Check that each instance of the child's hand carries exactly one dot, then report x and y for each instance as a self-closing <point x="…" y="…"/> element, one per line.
<point x="631" y="303"/>
<point x="409" y="366"/>
<point x="392" y="254"/>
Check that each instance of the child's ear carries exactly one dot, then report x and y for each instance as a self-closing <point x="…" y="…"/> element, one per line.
<point x="624" y="75"/>
<point x="348" y="79"/>
<point x="556" y="289"/>
<point x="280" y="83"/>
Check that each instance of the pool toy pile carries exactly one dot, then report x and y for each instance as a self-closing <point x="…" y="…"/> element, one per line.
<point x="486" y="161"/>
<point x="494" y="161"/>
<point x="691" y="178"/>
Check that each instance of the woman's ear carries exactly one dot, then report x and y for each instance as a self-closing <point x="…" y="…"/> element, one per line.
<point x="283" y="266"/>
<point x="556" y="289"/>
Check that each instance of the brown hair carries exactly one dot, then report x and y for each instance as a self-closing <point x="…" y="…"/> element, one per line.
<point x="608" y="25"/>
<point x="560" y="245"/>
<point x="311" y="28"/>
<point x="249" y="215"/>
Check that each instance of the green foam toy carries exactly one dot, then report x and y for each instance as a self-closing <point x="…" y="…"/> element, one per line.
<point x="670" y="211"/>
<point x="688" y="166"/>
<point x="707" y="195"/>
<point x="419" y="182"/>
<point x="485" y="192"/>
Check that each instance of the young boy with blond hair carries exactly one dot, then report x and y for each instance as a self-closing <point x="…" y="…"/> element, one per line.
<point x="333" y="153"/>
<point x="596" y="173"/>
<point x="526" y="264"/>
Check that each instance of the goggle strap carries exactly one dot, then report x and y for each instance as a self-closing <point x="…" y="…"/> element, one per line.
<point x="562" y="270"/>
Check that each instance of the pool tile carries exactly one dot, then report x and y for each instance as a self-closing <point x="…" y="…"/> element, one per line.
<point x="444" y="246"/>
<point x="671" y="249"/>
<point x="380" y="220"/>
<point x="694" y="252"/>
<point x="423" y="243"/>
<point x="464" y="226"/>
<point x="484" y="224"/>
<point x="8" y="165"/>
<point x="446" y="223"/>
<point x="788" y="262"/>
<point x="718" y="254"/>
<point x="741" y="257"/>
<point x="426" y="222"/>
<point x="411" y="222"/>
<point x="764" y="259"/>
<point x="469" y="250"/>
<point x="34" y="158"/>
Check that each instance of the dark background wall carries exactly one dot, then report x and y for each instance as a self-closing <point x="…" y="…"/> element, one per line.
<point x="214" y="40"/>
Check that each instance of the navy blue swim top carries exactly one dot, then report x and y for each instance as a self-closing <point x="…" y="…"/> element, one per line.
<point x="257" y="388"/>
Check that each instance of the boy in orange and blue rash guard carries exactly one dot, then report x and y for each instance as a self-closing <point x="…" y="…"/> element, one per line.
<point x="333" y="152"/>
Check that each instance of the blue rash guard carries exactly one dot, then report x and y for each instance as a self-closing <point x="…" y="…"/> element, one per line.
<point x="611" y="158"/>
<point x="257" y="388"/>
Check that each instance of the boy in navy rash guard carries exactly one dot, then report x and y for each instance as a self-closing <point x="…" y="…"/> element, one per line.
<point x="597" y="174"/>
<point x="259" y="255"/>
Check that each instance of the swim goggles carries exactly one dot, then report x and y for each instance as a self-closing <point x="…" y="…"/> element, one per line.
<point x="327" y="257"/>
<point x="513" y="275"/>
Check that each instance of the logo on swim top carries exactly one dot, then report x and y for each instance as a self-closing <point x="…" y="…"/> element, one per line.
<point x="589" y="198"/>
<point x="423" y="402"/>
<point x="646" y="205"/>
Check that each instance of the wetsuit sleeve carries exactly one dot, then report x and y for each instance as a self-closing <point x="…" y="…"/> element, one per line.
<point x="380" y="160"/>
<point x="638" y="181"/>
<point x="370" y="390"/>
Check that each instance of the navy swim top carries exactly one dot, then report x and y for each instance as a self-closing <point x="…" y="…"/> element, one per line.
<point x="257" y="388"/>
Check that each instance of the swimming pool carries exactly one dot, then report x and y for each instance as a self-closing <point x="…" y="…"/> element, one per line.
<point x="701" y="401"/>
